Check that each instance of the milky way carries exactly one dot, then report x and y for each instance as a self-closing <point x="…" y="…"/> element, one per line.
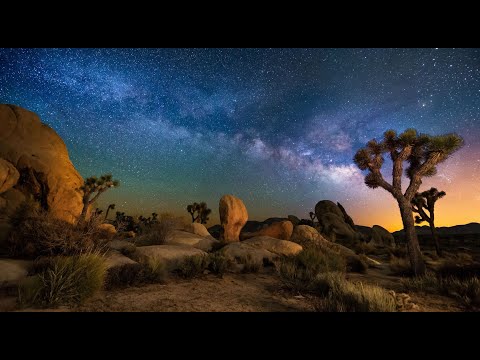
<point x="276" y="127"/>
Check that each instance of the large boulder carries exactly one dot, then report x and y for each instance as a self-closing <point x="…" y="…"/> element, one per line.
<point x="186" y="238"/>
<point x="115" y="259"/>
<point x="276" y="246"/>
<point x="12" y="272"/>
<point x="172" y="255"/>
<point x="233" y="216"/>
<point x="306" y="235"/>
<point x="335" y="223"/>
<point x="238" y="251"/>
<point x="280" y="230"/>
<point x="41" y="159"/>
<point x="9" y="175"/>
<point x="107" y="231"/>
<point x="122" y="246"/>
<point x="293" y="219"/>
<point x="216" y="231"/>
<point x="381" y="236"/>
<point x="197" y="229"/>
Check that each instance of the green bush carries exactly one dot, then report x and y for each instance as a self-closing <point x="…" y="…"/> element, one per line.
<point x="300" y="272"/>
<point x="193" y="266"/>
<point x="218" y="263"/>
<point x="158" y="233"/>
<point x="65" y="280"/>
<point x="340" y="295"/>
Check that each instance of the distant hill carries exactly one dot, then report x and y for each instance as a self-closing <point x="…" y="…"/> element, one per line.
<point x="467" y="229"/>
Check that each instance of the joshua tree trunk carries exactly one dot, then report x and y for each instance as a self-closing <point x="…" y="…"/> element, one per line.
<point x="413" y="247"/>
<point x="435" y="239"/>
<point x="83" y="215"/>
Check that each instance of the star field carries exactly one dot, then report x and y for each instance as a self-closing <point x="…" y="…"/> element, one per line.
<point x="276" y="127"/>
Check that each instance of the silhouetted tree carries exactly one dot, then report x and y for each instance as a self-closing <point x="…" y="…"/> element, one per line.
<point x="312" y="216"/>
<point x="425" y="201"/>
<point x="199" y="212"/>
<point x="92" y="188"/>
<point x="423" y="153"/>
<point x="98" y="212"/>
<point x="112" y="207"/>
<point x="154" y="217"/>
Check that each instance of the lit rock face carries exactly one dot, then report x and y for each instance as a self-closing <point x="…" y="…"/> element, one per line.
<point x="233" y="216"/>
<point x="9" y="175"/>
<point x="40" y="157"/>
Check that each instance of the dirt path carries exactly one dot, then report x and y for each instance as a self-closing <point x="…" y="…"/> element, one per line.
<point x="233" y="293"/>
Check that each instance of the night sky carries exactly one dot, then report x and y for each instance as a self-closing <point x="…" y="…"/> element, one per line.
<point x="276" y="127"/>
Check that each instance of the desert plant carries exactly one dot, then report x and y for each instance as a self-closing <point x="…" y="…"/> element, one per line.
<point x="39" y="233"/>
<point x="193" y="266"/>
<point x="400" y="266"/>
<point x="125" y="275"/>
<point x="92" y="188"/>
<point x="250" y="264"/>
<point x="466" y="290"/>
<point x="340" y="295"/>
<point x="158" y="233"/>
<point x="300" y="272"/>
<point x="423" y="153"/>
<point x="425" y="201"/>
<point x="68" y="280"/>
<point x="218" y="263"/>
<point x="110" y="207"/>
<point x="199" y="212"/>
<point x="155" y="270"/>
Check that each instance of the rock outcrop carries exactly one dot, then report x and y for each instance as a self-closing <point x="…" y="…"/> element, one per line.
<point x="280" y="230"/>
<point x="233" y="216"/>
<point x="41" y="159"/>
<point x="12" y="272"/>
<point x="186" y="238"/>
<point x="197" y="229"/>
<point x="335" y="223"/>
<point x="9" y="175"/>
<point x="274" y="245"/>
<point x="376" y="235"/>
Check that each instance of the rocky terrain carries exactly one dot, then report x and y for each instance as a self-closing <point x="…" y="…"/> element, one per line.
<point x="279" y="264"/>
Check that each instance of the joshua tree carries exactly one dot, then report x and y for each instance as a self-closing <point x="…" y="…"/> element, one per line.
<point x="312" y="216"/>
<point x="199" y="212"/>
<point x="92" y="188"/>
<point x="112" y="207"/>
<point x="423" y="153"/>
<point x="426" y="201"/>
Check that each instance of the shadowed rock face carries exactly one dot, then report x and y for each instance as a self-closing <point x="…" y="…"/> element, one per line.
<point x="233" y="216"/>
<point x="279" y="229"/>
<point x="41" y="159"/>
<point x="335" y="223"/>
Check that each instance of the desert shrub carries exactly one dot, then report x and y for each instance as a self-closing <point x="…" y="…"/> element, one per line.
<point x="250" y="264"/>
<point x="125" y="275"/>
<point x="65" y="280"/>
<point x="467" y="290"/>
<point x="398" y="251"/>
<point x="37" y="233"/>
<point x="460" y="271"/>
<point x="193" y="266"/>
<point x="300" y="272"/>
<point x="400" y="266"/>
<point x="341" y="295"/>
<point x="218" y="263"/>
<point x="157" y="233"/>
<point x="364" y="248"/>
<point x="155" y="270"/>
<point x="361" y="266"/>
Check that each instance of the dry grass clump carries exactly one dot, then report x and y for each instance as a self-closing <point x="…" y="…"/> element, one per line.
<point x="193" y="266"/>
<point x="158" y="233"/>
<point x="219" y="263"/>
<point x="250" y="264"/>
<point x="400" y="266"/>
<point x="64" y="280"/>
<point x="340" y="295"/>
<point x="37" y="233"/>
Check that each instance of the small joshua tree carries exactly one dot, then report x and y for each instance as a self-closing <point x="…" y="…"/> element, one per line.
<point x="423" y="153"/>
<point x="312" y="217"/>
<point x="92" y="188"/>
<point x="199" y="212"/>
<point x="425" y="201"/>
<point x="110" y="207"/>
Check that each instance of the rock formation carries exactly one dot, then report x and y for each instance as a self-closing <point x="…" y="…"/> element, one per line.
<point x="279" y="229"/>
<point x="233" y="216"/>
<point x="335" y="223"/>
<point x="40" y="157"/>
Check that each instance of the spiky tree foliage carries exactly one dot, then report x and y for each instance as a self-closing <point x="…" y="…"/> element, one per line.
<point x="422" y="153"/>
<point x="154" y="217"/>
<point x="312" y="216"/>
<point x="199" y="212"/>
<point x="110" y="207"/>
<point x="92" y="188"/>
<point x="425" y="202"/>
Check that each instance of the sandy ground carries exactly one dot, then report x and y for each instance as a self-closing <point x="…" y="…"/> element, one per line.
<point x="261" y="292"/>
